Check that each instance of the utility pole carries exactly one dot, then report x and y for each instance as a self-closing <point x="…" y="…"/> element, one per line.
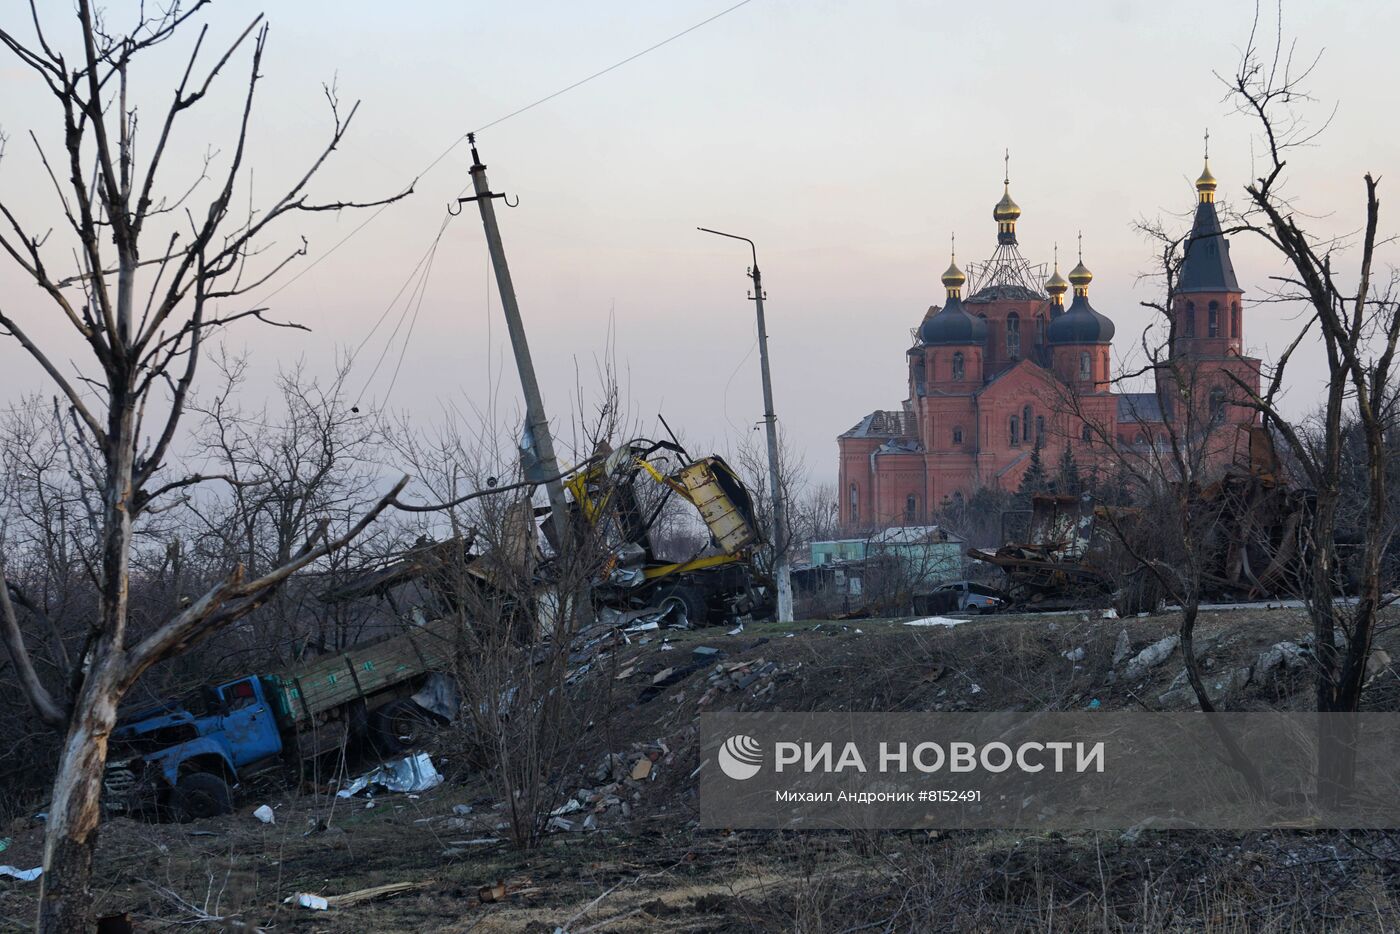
<point x="546" y="466"/>
<point x="781" y="570"/>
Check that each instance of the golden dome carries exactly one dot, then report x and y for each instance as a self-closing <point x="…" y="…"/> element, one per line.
<point x="954" y="277"/>
<point x="1080" y="276"/>
<point x="1056" y="284"/>
<point x="1207" y="181"/>
<point x="1006" y="209"/>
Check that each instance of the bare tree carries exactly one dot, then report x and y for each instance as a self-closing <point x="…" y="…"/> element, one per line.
<point x="1356" y="318"/>
<point x="140" y="342"/>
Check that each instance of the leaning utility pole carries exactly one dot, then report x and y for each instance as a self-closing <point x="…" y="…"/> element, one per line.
<point x="546" y="467"/>
<point x="780" y="544"/>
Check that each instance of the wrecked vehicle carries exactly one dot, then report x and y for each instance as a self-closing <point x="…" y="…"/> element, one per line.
<point x="186" y="758"/>
<point x="718" y="585"/>
<point x="1061" y="562"/>
<point x="1073" y="553"/>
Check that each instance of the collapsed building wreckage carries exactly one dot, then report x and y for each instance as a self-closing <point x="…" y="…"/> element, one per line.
<point x="613" y="511"/>
<point x="1075" y="552"/>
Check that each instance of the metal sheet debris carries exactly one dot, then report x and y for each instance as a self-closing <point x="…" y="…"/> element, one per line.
<point x="410" y="773"/>
<point x="947" y="621"/>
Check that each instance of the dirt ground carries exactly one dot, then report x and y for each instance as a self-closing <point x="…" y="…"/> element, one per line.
<point x="633" y="860"/>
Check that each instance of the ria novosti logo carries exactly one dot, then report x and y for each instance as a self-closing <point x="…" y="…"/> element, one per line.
<point x="740" y="757"/>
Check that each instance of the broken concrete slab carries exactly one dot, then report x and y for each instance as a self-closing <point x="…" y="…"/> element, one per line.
<point x="1152" y="656"/>
<point x="1123" y="648"/>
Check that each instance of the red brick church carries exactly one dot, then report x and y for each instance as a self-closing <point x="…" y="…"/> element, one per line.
<point x="992" y="374"/>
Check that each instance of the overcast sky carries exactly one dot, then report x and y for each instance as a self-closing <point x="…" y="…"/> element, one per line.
<point x="848" y="139"/>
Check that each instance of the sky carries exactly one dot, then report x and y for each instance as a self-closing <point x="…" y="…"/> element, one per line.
<point x="849" y="140"/>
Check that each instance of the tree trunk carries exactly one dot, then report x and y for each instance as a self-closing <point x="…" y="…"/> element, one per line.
<point x="65" y="898"/>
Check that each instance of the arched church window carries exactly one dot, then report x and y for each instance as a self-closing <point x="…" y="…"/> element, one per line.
<point x="1213" y="320"/>
<point x="911" y="507"/>
<point x="1015" y="430"/>
<point x="1013" y="336"/>
<point x="1086" y="433"/>
<point x="1190" y="321"/>
<point x="1217" y="404"/>
<point x="1026" y="424"/>
<point x="957" y="434"/>
<point x="1140" y="439"/>
<point x="1040" y="427"/>
<point x="1235" y="320"/>
<point x="855" y="503"/>
<point x="1085" y="371"/>
<point x="958" y="365"/>
<point x="1040" y="330"/>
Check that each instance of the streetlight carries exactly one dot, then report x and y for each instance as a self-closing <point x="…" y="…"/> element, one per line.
<point x="780" y="558"/>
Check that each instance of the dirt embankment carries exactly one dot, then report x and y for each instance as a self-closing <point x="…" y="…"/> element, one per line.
<point x="625" y="853"/>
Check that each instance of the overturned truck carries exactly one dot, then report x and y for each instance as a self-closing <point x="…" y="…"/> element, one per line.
<point x="1071" y="552"/>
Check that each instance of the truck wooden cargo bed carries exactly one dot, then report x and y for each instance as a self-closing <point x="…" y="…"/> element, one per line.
<point x="302" y="694"/>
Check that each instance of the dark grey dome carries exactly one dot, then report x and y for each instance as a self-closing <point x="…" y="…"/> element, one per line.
<point x="953" y="325"/>
<point x="1081" y="324"/>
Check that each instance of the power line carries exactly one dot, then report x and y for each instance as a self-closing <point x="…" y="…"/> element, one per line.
<point x="615" y="65"/>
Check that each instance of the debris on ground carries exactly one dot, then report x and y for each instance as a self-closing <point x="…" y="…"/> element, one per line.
<point x="265" y="814"/>
<point x="307" y="900"/>
<point x="1152" y="656"/>
<point x="935" y="621"/>
<point x="410" y="773"/>
<point x="23" y="875"/>
<point x="373" y="893"/>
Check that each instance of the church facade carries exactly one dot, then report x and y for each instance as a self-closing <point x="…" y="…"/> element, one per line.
<point x="1010" y="368"/>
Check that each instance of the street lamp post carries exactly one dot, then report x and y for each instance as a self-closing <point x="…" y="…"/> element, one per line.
<point x="780" y="544"/>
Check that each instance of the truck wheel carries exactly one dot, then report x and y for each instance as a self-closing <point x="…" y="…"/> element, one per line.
<point x="199" y="795"/>
<point x="399" y="725"/>
<point x="685" y="606"/>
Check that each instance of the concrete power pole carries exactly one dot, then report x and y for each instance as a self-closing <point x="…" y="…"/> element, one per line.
<point x="781" y="571"/>
<point x="536" y="424"/>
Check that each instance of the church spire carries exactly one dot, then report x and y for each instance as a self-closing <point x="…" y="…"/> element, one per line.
<point x="1206" y="266"/>
<point x="1006" y="211"/>
<point x="1205" y="185"/>
<point x="953" y="277"/>
<point x="1056" y="285"/>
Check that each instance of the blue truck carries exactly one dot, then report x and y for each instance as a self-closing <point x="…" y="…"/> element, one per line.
<point x="189" y="758"/>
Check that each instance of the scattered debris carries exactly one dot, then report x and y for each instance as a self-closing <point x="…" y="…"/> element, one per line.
<point x="1123" y="648"/>
<point x="934" y="621"/>
<point x="265" y="814"/>
<point x="1152" y="656"/>
<point x="23" y="875"/>
<point x="662" y="675"/>
<point x="642" y="769"/>
<point x="307" y="900"/>
<point x="492" y="893"/>
<point x="410" y="773"/>
<point x="375" y="892"/>
<point x="1076" y="654"/>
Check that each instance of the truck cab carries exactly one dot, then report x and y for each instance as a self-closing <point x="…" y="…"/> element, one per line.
<point x="187" y="756"/>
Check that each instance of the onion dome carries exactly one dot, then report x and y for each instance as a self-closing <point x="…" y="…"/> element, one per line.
<point x="1080" y="324"/>
<point x="1056" y="286"/>
<point x="953" y="324"/>
<point x="1205" y="185"/>
<point x="1006" y="210"/>
<point x="954" y="278"/>
<point x="1080" y="277"/>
